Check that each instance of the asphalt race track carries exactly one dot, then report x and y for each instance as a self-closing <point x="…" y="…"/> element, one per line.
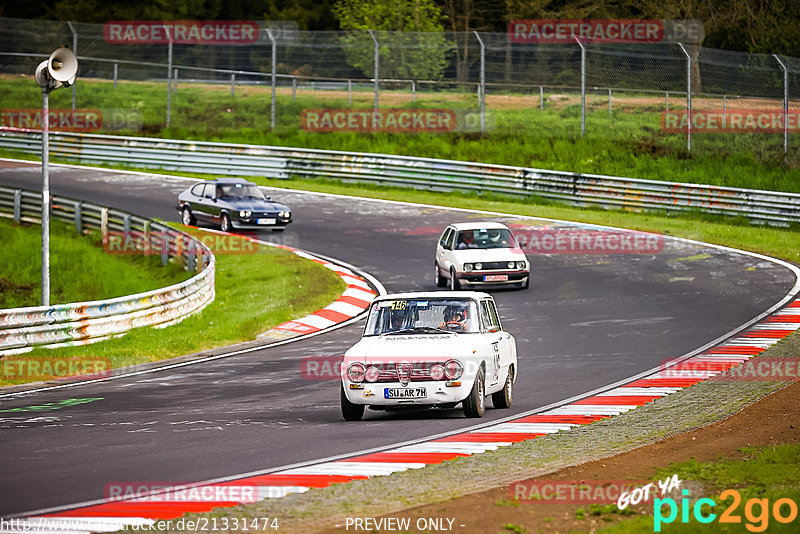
<point x="587" y="321"/>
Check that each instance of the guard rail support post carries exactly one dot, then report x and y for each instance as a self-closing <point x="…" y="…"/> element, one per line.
<point x="78" y="217"/>
<point x="583" y="85"/>
<point x="785" y="107"/>
<point x="191" y="252"/>
<point x="688" y="98"/>
<point x="104" y="224"/>
<point x="17" y="205"/>
<point x="126" y="224"/>
<point x="272" y="82"/>
<point x="377" y="66"/>
<point x="482" y="86"/>
<point x="164" y="247"/>
<point x="147" y="237"/>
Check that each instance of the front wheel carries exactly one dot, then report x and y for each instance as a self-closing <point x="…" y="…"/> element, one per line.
<point x="350" y="411"/>
<point x="454" y="284"/>
<point x="225" y="222"/>
<point x="475" y="403"/>
<point x="187" y="218"/>
<point x="502" y="399"/>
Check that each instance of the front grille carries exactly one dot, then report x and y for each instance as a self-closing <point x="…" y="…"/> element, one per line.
<point x="420" y="372"/>
<point x="492" y="265"/>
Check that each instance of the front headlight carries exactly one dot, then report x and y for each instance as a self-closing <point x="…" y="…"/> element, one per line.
<point x="355" y="373"/>
<point x="521" y="265"/>
<point x="245" y="213"/>
<point x="453" y="369"/>
<point x="372" y="373"/>
<point x="284" y="214"/>
<point x="467" y="266"/>
<point x="511" y="265"/>
<point x="437" y="372"/>
<point x="478" y="266"/>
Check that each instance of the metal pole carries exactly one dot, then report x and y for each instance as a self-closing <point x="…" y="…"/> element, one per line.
<point x="233" y="85"/>
<point x="272" y="82"/>
<point x="785" y="107"/>
<point x="688" y="98"/>
<point x="349" y="93"/>
<point x="667" y="101"/>
<point x="294" y="88"/>
<point x="45" y="195"/>
<point x="583" y="85"/>
<point x="413" y="91"/>
<point x="724" y="109"/>
<point x="74" y="51"/>
<point x="115" y="74"/>
<point x="169" y="75"/>
<point x="482" y="86"/>
<point x="377" y="66"/>
<point x="541" y="98"/>
<point x="609" y="101"/>
<point x="174" y="80"/>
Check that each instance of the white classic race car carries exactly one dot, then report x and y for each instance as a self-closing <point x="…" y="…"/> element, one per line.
<point x="479" y="254"/>
<point x="430" y="349"/>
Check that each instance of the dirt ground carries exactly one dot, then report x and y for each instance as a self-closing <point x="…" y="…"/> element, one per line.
<point x="771" y="421"/>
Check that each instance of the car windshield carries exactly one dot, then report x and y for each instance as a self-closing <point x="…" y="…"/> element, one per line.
<point x="422" y="316"/>
<point x="485" y="238"/>
<point x="240" y="191"/>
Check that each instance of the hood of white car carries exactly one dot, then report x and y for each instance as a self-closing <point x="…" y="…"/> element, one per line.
<point x="413" y="347"/>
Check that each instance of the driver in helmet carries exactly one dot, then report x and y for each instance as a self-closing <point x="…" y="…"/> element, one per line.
<point x="494" y="238"/>
<point x="397" y="320"/>
<point x="455" y="319"/>
<point x="466" y="239"/>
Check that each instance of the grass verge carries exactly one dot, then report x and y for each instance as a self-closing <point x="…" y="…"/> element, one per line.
<point x="80" y="270"/>
<point x="254" y="292"/>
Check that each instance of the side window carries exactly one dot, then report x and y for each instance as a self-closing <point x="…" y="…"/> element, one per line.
<point x="493" y="313"/>
<point x="446" y="238"/>
<point x="486" y="316"/>
<point x="450" y="239"/>
<point x="209" y="191"/>
<point x="198" y="190"/>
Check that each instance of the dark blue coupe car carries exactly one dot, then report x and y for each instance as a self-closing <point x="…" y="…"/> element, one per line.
<point x="232" y="203"/>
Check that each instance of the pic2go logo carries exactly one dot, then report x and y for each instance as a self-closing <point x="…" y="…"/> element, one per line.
<point x="756" y="511"/>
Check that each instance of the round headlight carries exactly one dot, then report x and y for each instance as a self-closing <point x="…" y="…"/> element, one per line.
<point x="511" y="265"/>
<point x="284" y="214"/>
<point x="355" y="373"/>
<point x="478" y="266"/>
<point x="453" y="369"/>
<point x="372" y="373"/>
<point x="467" y="266"/>
<point x="437" y="372"/>
<point x="521" y="265"/>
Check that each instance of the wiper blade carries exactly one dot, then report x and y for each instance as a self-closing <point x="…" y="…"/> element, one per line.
<point x="419" y="329"/>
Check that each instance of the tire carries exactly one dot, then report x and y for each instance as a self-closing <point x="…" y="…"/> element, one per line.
<point x="225" y="222"/>
<point x="475" y="403"/>
<point x="503" y="398"/>
<point x="350" y="411"/>
<point x="187" y="218"/>
<point x="440" y="281"/>
<point x="454" y="284"/>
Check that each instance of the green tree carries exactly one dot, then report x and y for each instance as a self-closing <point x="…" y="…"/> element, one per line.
<point x="410" y="34"/>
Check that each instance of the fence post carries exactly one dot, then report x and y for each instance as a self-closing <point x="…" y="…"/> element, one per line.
<point x="272" y="82"/>
<point x="377" y="66"/>
<point x="482" y="86"/>
<point x="74" y="51"/>
<point x="413" y="91"/>
<point x="104" y="224"/>
<point x="541" y="98"/>
<point x="349" y="93"/>
<point x="233" y="85"/>
<point x="609" y="101"/>
<point x="126" y="224"/>
<point x="169" y="75"/>
<point x="147" y="237"/>
<point x="724" y="109"/>
<point x="79" y="217"/>
<point x="583" y="85"/>
<point x="17" y="205"/>
<point x="174" y="80"/>
<point x="294" y="88"/>
<point x="116" y="66"/>
<point x="785" y="107"/>
<point x="688" y="98"/>
<point x="164" y="247"/>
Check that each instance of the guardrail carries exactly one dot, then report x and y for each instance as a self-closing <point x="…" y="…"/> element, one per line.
<point x="81" y="323"/>
<point x="435" y="174"/>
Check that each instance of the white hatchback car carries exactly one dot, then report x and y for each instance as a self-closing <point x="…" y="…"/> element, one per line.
<point x="430" y="349"/>
<point x="480" y="254"/>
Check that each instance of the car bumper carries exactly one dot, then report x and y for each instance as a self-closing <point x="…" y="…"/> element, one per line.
<point x="474" y="278"/>
<point x="436" y="392"/>
<point x="250" y="225"/>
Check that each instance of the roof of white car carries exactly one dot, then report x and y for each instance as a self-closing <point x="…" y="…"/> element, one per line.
<point x="478" y="225"/>
<point x="436" y="294"/>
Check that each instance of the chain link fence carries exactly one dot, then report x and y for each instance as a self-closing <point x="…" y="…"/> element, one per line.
<point x="663" y="94"/>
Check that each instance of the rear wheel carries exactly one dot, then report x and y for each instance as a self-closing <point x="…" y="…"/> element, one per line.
<point x="475" y="403"/>
<point x="225" y="222"/>
<point x="350" y="411"/>
<point x="454" y="285"/>
<point x="502" y="399"/>
<point x="440" y="281"/>
<point x="187" y="218"/>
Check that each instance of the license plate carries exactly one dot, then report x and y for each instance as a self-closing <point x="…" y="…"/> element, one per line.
<point x="495" y="278"/>
<point x="405" y="393"/>
<point x="266" y="221"/>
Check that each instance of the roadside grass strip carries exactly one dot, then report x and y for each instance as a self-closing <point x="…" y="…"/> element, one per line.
<point x="147" y="509"/>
